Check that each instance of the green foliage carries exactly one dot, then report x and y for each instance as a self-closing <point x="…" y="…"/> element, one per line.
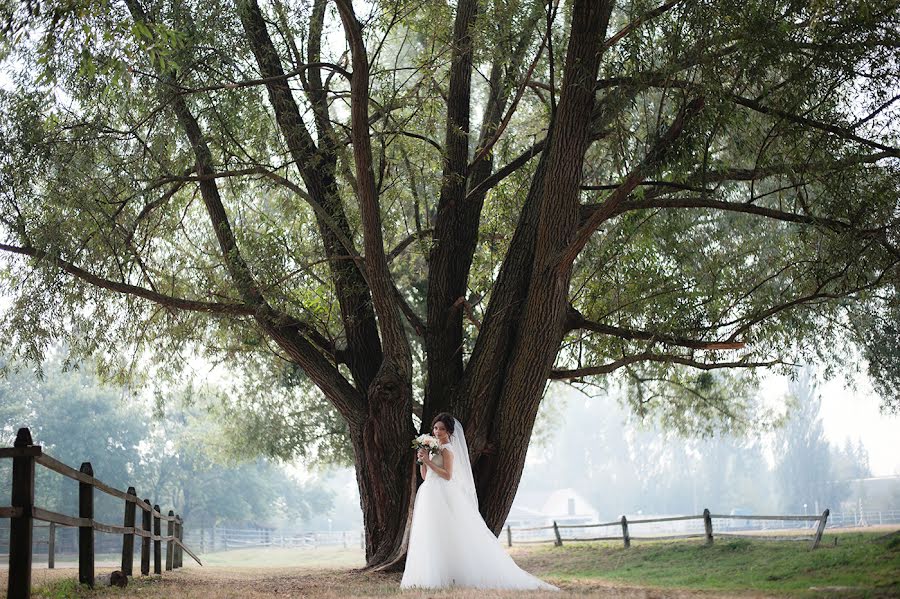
<point x="95" y="170"/>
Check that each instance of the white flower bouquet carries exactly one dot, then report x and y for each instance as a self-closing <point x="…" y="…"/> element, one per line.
<point x="426" y="442"/>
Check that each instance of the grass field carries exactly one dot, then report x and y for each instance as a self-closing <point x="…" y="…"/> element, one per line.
<point x="848" y="565"/>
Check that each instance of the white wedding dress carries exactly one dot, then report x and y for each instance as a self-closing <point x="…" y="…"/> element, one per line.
<point x="449" y="543"/>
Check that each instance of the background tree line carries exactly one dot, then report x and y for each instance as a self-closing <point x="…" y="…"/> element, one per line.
<point x="180" y="457"/>
<point x="624" y="465"/>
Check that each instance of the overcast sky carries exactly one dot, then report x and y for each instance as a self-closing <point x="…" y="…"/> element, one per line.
<point x="853" y="412"/>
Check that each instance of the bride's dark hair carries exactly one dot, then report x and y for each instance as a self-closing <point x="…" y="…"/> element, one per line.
<point x="447" y="419"/>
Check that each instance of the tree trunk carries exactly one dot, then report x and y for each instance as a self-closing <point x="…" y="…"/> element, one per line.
<point x="385" y="468"/>
<point x="507" y="408"/>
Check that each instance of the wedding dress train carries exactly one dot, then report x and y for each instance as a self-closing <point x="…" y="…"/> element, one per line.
<point x="449" y="543"/>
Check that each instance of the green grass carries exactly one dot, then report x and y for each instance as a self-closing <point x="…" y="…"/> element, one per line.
<point x="859" y="565"/>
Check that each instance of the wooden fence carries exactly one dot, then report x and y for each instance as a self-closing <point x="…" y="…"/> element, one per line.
<point x="706" y="516"/>
<point x="22" y="513"/>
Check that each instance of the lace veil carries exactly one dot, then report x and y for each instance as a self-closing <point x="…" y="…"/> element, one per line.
<point x="462" y="466"/>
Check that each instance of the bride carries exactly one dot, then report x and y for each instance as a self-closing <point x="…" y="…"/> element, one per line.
<point x="449" y="543"/>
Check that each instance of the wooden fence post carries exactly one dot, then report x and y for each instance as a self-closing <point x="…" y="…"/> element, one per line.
<point x="147" y="526"/>
<point x="179" y="534"/>
<point x="821" y="529"/>
<point x="86" y="533"/>
<point x="508" y="536"/>
<point x="21" y="527"/>
<point x="128" y="538"/>
<point x="626" y="538"/>
<point x="51" y="546"/>
<point x="707" y="525"/>
<point x="558" y="541"/>
<point x="157" y="542"/>
<point x="170" y="544"/>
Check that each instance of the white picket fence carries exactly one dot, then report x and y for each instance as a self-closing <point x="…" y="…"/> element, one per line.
<point x="226" y="538"/>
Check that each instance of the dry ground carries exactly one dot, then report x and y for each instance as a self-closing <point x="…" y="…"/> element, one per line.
<point x="330" y="574"/>
<point x="254" y="583"/>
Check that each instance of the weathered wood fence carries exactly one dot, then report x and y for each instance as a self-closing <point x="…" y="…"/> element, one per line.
<point x="706" y="516"/>
<point x="22" y="513"/>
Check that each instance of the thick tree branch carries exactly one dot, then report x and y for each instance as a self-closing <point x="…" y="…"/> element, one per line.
<point x="282" y="328"/>
<point x="317" y="168"/>
<point x="167" y="301"/>
<point x="237" y="268"/>
<point x="650" y="162"/>
<point x="456" y="219"/>
<point x="577" y="321"/>
<point x="818" y="295"/>
<point x="659" y="10"/>
<point x="316" y="91"/>
<point x="563" y="374"/>
<point x="405" y="243"/>
<point x="486" y="148"/>
<point x="461" y="301"/>
<point x="513" y="165"/>
<point x="383" y="289"/>
<point x="664" y="81"/>
<point x="411" y="317"/>
<point x="841" y="132"/>
<point x="696" y="181"/>
<point x="655" y="203"/>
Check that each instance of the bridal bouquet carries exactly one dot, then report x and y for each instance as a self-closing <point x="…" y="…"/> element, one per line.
<point x="426" y="442"/>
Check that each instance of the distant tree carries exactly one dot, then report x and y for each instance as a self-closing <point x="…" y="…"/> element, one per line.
<point x="462" y="202"/>
<point x="850" y="463"/>
<point x="623" y="465"/>
<point x="803" y="454"/>
<point x="187" y="460"/>
<point x="734" y="473"/>
<point x="178" y="458"/>
<point x="75" y="419"/>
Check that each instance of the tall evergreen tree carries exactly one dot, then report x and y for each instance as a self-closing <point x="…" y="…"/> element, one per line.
<point x="803" y="469"/>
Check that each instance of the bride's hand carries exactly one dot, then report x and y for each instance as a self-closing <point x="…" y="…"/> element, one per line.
<point x="421" y="455"/>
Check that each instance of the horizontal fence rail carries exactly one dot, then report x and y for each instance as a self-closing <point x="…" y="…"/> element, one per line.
<point x="221" y="538"/>
<point x="23" y="513"/>
<point x="625" y="534"/>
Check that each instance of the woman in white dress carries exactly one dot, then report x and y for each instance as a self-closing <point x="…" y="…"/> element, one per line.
<point x="449" y="543"/>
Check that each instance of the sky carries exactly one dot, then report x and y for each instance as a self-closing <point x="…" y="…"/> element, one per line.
<point x="853" y="413"/>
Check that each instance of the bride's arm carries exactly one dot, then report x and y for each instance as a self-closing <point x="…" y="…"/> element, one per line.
<point x="447" y="471"/>
<point x="423" y="470"/>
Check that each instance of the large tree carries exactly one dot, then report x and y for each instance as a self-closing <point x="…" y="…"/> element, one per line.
<point x="443" y="206"/>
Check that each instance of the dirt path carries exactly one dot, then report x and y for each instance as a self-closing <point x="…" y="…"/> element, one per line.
<point x="260" y="583"/>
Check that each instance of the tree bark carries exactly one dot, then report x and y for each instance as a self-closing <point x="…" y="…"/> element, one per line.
<point x="447" y="273"/>
<point x="385" y="470"/>
<point x="381" y="447"/>
<point x="505" y="401"/>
